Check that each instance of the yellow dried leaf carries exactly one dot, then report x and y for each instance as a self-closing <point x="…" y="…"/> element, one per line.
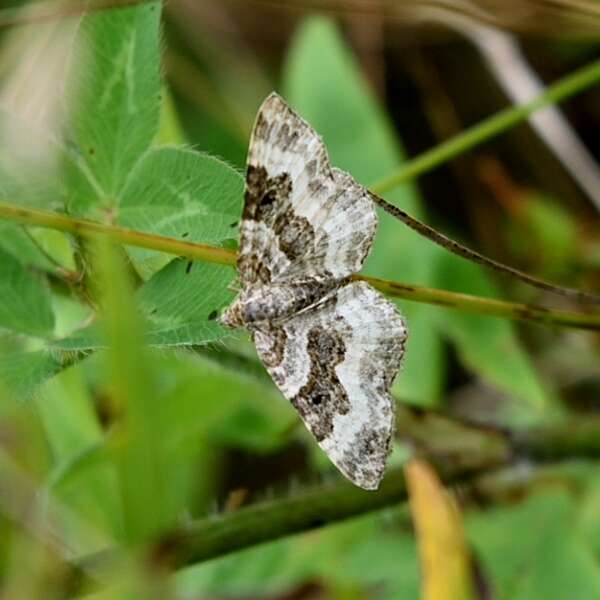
<point x="445" y="562"/>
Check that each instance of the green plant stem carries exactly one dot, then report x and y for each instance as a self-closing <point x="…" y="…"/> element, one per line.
<point x="192" y="250"/>
<point x="578" y="437"/>
<point x="473" y="256"/>
<point x="122" y="235"/>
<point x="328" y="503"/>
<point x="486" y="306"/>
<point x="488" y="128"/>
<point x="314" y="507"/>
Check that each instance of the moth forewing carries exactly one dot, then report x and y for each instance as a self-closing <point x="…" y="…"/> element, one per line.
<point x="333" y="347"/>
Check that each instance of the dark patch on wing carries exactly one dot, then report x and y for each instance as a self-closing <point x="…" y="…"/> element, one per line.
<point x="265" y="195"/>
<point x="262" y="129"/>
<point x="252" y="268"/>
<point x="286" y="136"/>
<point x="273" y="355"/>
<point x="295" y="235"/>
<point x="311" y="168"/>
<point x="323" y="396"/>
<point x="264" y="198"/>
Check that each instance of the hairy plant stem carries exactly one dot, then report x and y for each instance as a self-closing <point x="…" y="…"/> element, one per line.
<point x="564" y="88"/>
<point x="192" y="250"/>
<point x="335" y="501"/>
<point x="264" y="521"/>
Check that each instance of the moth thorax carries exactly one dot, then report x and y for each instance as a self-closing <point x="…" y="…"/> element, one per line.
<point x="268" y="303"/>
<point x="276" y="301"/>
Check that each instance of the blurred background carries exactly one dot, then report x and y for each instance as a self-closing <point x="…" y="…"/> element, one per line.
<point x="382" y="82"/>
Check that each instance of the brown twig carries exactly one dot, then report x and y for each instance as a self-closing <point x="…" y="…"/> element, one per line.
<point x="452" y="246"/>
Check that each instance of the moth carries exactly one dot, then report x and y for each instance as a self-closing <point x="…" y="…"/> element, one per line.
<point x="331" y="345"/>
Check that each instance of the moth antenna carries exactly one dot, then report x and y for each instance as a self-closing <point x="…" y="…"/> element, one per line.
<point x="452" y="246"/>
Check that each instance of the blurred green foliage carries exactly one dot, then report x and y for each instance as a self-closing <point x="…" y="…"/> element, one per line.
<point x="125" y="405"/>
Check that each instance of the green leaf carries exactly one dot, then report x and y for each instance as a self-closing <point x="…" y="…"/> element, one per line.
<point x="490" y="346"/>
<point x="74" y="435"/>
<point x="29" y="162"/>
<point x="197" y="406"/>
<point x="183" y="194"/>
<point x="35" y="247"/>
<point x="220" y="404"/>
<point x="68" y="413"/>
<point x="564" y="567"/>
<point x="114" y="101"/>
<point x="545" y="234"/>
<point x="23" y="372"/>
<point x="323" y="82"/>
<point x="25" y="301"/>
<point x="550" y="562"/>
<point x="169" y="129"/>
<point x="15" y="241"/>
<point x="24" y="367"/>
<point x="181" y="302"/>
<point x="89" y="338"/>
<point x="216" y="134"/>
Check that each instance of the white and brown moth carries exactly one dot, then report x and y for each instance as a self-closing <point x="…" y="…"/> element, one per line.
<point x="332" y="346"/>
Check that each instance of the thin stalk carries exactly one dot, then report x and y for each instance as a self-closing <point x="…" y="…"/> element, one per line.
<point x="204" y="252"/>
<point x="122" y="235"/>
<point x="564" y="88"/>
<point x="452" y="246"/>
<point x="486" y="306"/>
